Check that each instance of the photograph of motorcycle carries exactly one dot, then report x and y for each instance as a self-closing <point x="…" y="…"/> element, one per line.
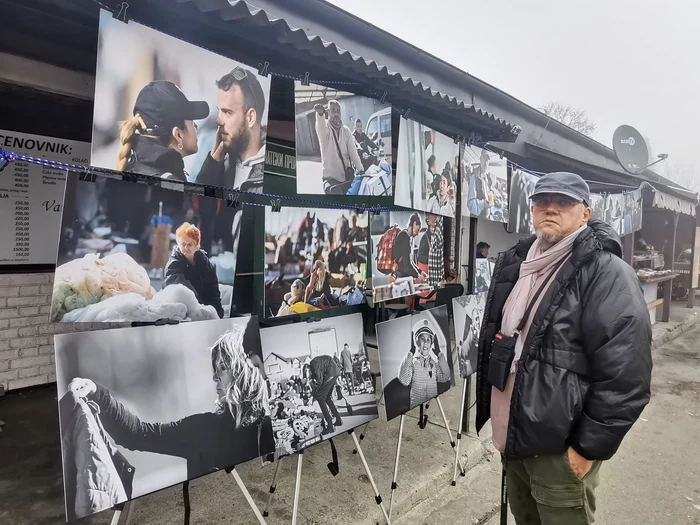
<point x="343" y="143"/>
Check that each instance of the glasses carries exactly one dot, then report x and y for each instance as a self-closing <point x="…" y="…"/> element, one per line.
<point x="241" y="74"/>
<point x="563" y="203"/>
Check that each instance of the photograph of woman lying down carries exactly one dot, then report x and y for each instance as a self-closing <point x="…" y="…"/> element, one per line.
<point x="131" y="263"/>
<point x="314" y="260"/>
<point x="182" y="412"/>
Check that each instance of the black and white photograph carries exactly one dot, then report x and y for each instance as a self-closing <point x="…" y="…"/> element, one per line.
<point x="415" y="359"/>
<point x="319" y="380"/>
<point x="482" y="275"/>
<point x="166" y="254"/>
<point x="484" y="184"/>
<point x="522" y="186"/>
<point x="315" y="259"/>
<point x="142" y="409"/>
<point x="343" y="142"/>
<point x="169" y="109"/>
<point x="614" y="212"/>
<point x="597" y="206"/>
<point x="468" y="315"/>
<point x="427" y="169"/>
<point x="407" y="254"/>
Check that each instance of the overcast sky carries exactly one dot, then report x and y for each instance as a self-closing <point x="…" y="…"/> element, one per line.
<point x="623" y="61"/>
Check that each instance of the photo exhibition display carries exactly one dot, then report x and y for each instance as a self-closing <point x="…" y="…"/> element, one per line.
<point x="169" y="109"/>
<point x="427" y="168"/>
<point x="167" y="254"/>
<point x="483" y="268"/>
<point x="343" y="142"/>
<point x="31" y="196"/>
<point x="415" y="359"/>
<point x="484" y="184"/>
<point x="407" y="254"/>
<point x="468" y="314"/>
<point x="319" y="380"/>
<point x="522" y="186"/>
<point x="142" y="409"/>
<point x="315" y="259"/>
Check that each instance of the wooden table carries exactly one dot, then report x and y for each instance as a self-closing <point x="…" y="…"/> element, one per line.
<point x="650" y="288"/>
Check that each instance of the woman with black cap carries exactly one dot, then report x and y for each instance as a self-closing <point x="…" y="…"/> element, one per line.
<point x="161" y="132"/>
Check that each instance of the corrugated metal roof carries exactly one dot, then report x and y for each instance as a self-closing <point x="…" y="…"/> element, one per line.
<point x="317" y="47"/>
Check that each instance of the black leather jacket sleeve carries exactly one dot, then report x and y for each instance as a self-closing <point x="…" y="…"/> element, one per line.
<point x="617" y="337"/>
<point x="212" y="172"/>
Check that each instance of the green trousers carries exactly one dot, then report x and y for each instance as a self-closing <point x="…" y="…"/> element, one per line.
<point x="545" y="491"/>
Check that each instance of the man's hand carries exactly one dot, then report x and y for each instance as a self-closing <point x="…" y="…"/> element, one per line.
<point x="319" y="109"/>
<point x="82" y="387"/>
<point x="580" y="465"/>
<point x="217" y="150"/>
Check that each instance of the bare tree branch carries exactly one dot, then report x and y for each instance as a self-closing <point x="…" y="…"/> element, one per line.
<point x="573" y="117"/>
<point x="685" y="175"/>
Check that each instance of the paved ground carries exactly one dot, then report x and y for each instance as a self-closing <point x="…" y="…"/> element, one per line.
<point x="653" y="479"/>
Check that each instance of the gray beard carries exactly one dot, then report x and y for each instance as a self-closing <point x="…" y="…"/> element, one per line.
<point x="549" y="238"/>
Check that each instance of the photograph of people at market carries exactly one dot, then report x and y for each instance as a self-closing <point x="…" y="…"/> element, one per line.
<point x="315" y="259"/>
<point x="425" y="175"/>
<point x="408" y="254"/>
<point x="484" y="184"/>
<point x="169" y="109"/>
<point x="319" y="380"/>
<point x="343" y="142"/>
<point x="167" y="254"/>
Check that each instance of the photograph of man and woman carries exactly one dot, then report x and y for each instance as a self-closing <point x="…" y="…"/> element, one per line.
<point x="415" y="359"/>
<point x="141" y="409"/>
<point x="167" y="254"/>
<point x="315" y="259"/>
<point x="343" y="142"/>
<point x="169" y="109"/>
<point x="484" y="184"/>
<point x="427" y="169"/>
<point x="408" y="254"/>
<point x="468" y="315"/>
<point x="319" y="380"/>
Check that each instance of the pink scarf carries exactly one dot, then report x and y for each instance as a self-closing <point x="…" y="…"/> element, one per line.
<point x="540" y="260"/>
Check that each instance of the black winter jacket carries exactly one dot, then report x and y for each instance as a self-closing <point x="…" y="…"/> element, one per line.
<point x="585" y="371"/>
<point x="200" y="277"/>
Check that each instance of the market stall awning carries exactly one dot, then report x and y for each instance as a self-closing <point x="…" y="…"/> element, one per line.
<point x="669" y="202"/>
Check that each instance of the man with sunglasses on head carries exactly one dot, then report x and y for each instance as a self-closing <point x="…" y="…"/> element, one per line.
<point x="564" y="365"/>
<point x="237" y="158"/>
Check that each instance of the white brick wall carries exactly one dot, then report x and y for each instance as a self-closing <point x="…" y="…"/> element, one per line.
<point x="26" y="335"/>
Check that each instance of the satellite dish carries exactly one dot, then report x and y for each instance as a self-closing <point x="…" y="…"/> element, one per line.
<point x="630" y="149"/>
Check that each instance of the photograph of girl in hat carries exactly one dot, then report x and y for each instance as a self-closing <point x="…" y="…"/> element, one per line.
<point x="165" y="108"/>
<point x="415" y="359"/>
<point x="142" y="409"/>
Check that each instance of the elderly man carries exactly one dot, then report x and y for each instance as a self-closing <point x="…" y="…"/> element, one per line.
<point x="564" y="366"/>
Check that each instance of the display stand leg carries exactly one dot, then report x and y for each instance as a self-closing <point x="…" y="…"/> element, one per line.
<point x="462" y="471"/>
<point x="115" y="517"/>
<point x="130" y="512"/>
<point x="396" y="465"/>
<point x="459" y="432"/>
<point x="248" y="497"/>
<point x="377" y="496"/>
<point x="273" y="488"/>
<point x="297" y="488"/>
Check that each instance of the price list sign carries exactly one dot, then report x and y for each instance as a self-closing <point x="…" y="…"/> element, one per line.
<point x="31" y="197"/>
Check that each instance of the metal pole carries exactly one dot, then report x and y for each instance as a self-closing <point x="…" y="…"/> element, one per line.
<point x="377" y="496"/>
<point x="396" y="465"/>
<point x="449" y="433"/>
<point x="459" y="432"/>
<point x="273" y="488"/>
<point x="248" y="497"/>
<point x="297" y="488"/>
<point x="129" y="512"/>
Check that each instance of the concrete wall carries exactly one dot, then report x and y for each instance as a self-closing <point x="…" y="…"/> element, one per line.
<point x="26" y="335"/>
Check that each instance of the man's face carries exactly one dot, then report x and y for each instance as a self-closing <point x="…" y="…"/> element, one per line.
<point x="188" y="246"/>
<point x="358" y="127"/>
<point x="444" y="186"/>
<point x="485" y="252"/>
<point x="484" y="163"/>
<point x="415" y="229"/>
<point x="334" y="115"/>
<point x="432" y="219"/>
<point x="233" y="120"/>
<point x="425" y="342"/>
<point x="555" y="216"/>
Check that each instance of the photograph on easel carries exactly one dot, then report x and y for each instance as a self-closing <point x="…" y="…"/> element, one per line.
<point x="141" y="409"/>
<point x="315" y="259"/>
<point x="169" y="109"/>
<point x="343" y="142"/>
<point x="319" y="380"/>
<point x="482" y="275"/>
<point x="484" y="184"/>
<point x="408" y="254"/>
<point x="166" y="255"/>
<point x="468" y="315"/>
<point x="415" y="359"/>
